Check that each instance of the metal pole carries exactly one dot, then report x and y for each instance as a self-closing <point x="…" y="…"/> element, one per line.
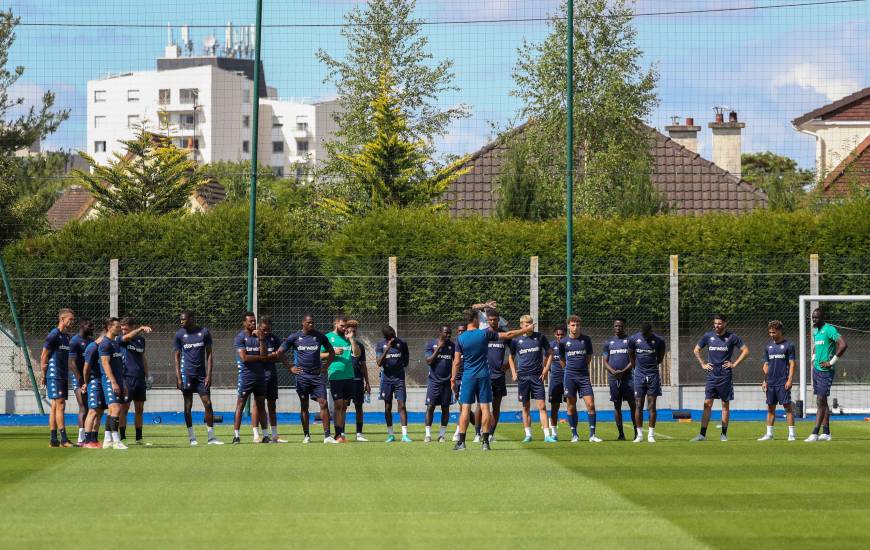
<point x="22" y="343"/>
<point x="113" y="287"/>
<point x="674" y="287"/>
<point x="255" y="131"/>
<point x="802" y="353"/>
<point x="569" y="166"/>
<point x="534" y="290"/>
<point x="393" y="293"/>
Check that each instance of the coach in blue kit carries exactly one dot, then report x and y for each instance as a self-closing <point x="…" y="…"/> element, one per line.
<point x="439" y="356"/>
<point x="393" y="358"/>
<point x="476" y="384"/>
<point x="309" y="371"/>
<point x="720" y="344"/>
<point x="615" y="353"/>
<point x="778" y="369"/>
<point x="55" y="375"/>
<point x="646" y="352"/>
<point x="193" y="367"/>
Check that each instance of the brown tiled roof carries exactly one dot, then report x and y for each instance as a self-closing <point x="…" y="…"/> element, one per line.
<point x="211" y="194"/>
<point x="691" y="183"/>
<point x="853" y="170"/>
<point x="72" y="204"/>
<point x="832" y="108"/>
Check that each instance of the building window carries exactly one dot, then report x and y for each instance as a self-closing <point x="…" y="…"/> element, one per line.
<point x="246" y="95"/>
<point x="187" y="121"/>
<point x="302" y="123"/>
<point x="99" y="147"/>
<point x="132" y="96"/>
<point x="278" y="171"/>
<point x="246" y="121"/>
<point x="188" y="143"/>
<point x="99" y="121"/>
<point x="246" y="146"/>
<point x="301" y="147"/>
<point x="132" y="121"/>
<point x="164" y="96"/>
<point x="277" y="146"/>
<point x="277" y="121"/>
<point x="99" y="96"/>
<point x="187" y="96"/>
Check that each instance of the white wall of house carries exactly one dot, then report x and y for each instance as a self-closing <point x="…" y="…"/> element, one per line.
<point x="834" y="141"/>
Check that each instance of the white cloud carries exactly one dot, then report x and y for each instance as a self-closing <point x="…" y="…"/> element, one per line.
<point x="818" y="78"/>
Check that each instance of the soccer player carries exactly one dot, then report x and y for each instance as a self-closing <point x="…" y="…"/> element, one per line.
<point x="575" y="350"/>
<point x="361" y="388"/>
<point x="646" y="351"/>
<point x="136" y="375"/>
<point x="720" y="344"/>
<point x="340" y="373"/>
<point x="528" y="359"/>
<point x="476" y="383"/>
<point x="309" y="369"/>
<point x="92" y="374"/>
<point x="393" y="358"/>
<point x="616" y="361"/>
<point x="77" y="346"/>
<point x="252" y="379"/>
<point x="556" y="384"/>
<point x="828" y="347"/>
<point x="54" y="362"/>
<point x="114" y="387"/>
<point x="439" y="356"/>
<point x="193" y="368"/>
<point x="269" y="344"/>
<point x="498" y="366"/>
<point x="778" y="368"/>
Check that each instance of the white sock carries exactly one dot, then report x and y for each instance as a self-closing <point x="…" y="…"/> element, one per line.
<point x="81" y="435"/>
<point x="275" y="428"/>
<point x="457" y="429"/>
<point x="553" y="430"/>
<point x="428" y="431"/>
<point x="235" y="433"/>
<point x="116" y="437"/>
<point x="640" y="432"/>
<point x="770" y="430"/>
<point x="190" y="433"/>
<point x="404" y="431"/>
<point x="652" y="432"/>
<point x="107" y="435"/>
<point x="442" y="431"/>
<point x="390" y="430"/>
<point x="791" y="430"/>
<point x="256" y="434"/>
<point x="528" y="431"/>
<point x="211" y="432"/>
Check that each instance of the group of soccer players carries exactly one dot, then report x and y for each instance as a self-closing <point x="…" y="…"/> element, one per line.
<point x="111" y="371"/>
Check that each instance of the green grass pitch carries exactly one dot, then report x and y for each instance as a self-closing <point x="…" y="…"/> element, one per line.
<point x="674" y="494"/>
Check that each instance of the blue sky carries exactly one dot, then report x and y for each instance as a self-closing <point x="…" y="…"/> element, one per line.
<point x="771" y="65"/>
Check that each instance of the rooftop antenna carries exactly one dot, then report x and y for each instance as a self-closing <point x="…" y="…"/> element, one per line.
<point x="210" y="44"/>
<point x="170" y="41"/>
<point x="229" y="45"/>
<point x="185" y="39"/>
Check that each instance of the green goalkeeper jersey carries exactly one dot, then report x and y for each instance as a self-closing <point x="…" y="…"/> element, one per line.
<point x="824" y="344"/>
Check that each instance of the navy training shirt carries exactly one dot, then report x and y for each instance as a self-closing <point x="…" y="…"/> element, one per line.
<point x="529" y="352"/>
<point x="557" y="369"/>
<point x="576" y="354"/>
<point x="77" y="346"/>
<point x="719" y="350"/>
<point x="472" y="346"/>
<point x="648" y="352"/>
<point x="615" y="350"/>
<point x="495" y="358"/>
<point x="134" y="356"/>
<point x="357" y="362"/>
<point x="397" y="358"/>
<point x="442" y="368"/>
<point x="307" y="347"/>
<point x="251" y="345"/>
<point x="92" y="358"/>
<point x="110" y="348"/>
<point x="777" y="357"/>
<point x="192" y="346"/>
<point x="57" y="344"/>
<point x="273" y="343"/>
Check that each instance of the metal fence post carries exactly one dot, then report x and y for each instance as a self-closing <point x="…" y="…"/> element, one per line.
<point x="113" y="287"/>
<point x="814" y="279"/>
<point x="22" y="341"/>
<point x="254" y="297"/>
<point x="533" y="290"/>
<point x="393" y="298"/>
<point x="674" y="277"/>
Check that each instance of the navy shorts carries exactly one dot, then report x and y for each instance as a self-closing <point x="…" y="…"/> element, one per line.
<point x="96" y="399"/>
<point x="341" y="389"/>
<point x="649" y="383"/>
<point x="499" y="386"/>
<point x="719" y="389"/>
<point x="778" y="395"/>
<point x="56" y="388"/>
<point x="250" y="382"/>
<point x="194" y="384"/>
<point x="822" y="380"/>
<point x="621" y="389"/>
<point x="359" y="391"/>
<point x="556" y="387"/>
<point x="135" y="389"/>
<point x="311" y="386"/>
<point x="111" y="397"/>
<point x="530" y="387"/>
<point x="577" y="385"/>
<point x="391" y="387"/>
<point x="271" y="384"/>
<point x="475" y="388"/>
<point x="439" y="394"/>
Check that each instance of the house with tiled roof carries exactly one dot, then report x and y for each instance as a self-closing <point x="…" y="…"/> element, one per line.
<point x="690" y="183"/>
<point x="842" y="133"/>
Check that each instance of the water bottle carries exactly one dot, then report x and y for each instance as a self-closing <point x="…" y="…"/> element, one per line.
<point x="368" y="397"/>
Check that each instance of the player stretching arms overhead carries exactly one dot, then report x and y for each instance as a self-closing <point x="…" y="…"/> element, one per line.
<point x="55" y="375"/>
<point x="556" y="384"/>
<point x="393" y="358"/>
<point x="136" y="375"/>
<point x="720" y="344"/>
<point x="616" y="361"/>
<point x="193" y="367"/>
<point x="439" y="356"/>
<point x="309" y="370"/>
<point x="646" y="352"/>
<point x="361" y="388"/>
<point x="828" y="347"/>
<point x="77" y="346"/>
<point x="576" y="352"/>
<point x="778" y="368"/>
<point x="252" y="379"/>
<point x="114" y="387"/>
<point x="528" y="360"/>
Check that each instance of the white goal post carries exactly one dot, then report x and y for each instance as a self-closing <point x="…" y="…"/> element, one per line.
<point x="804" y="335"/>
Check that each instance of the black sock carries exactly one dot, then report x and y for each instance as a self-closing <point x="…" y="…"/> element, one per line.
<point x="54" y="435"/>
<point x="704" y="431"/>
<point x="476" y="430"/>
<point x="138" y="433"/>
<point x="359" y="424"/>
<point x="123" y="431"/>
<point x="63" y="437"/>
<point x="92" y="437"/>
<point x="485" y="437"/>
<point x="724" y="429"/>
<point x="826" y="429"/>
<point x="621" y="431"/>
<point x="462" y="438"/>
<point x="815" y="430"/>
<point x="339" y="430"/>
<point x="492" y="432"/>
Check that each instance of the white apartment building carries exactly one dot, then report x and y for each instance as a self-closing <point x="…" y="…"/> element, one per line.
<point x="204" y="103"/>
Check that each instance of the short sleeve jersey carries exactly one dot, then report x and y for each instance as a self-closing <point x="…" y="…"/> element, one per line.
<point x="134" y="356"/>
<point x="557" y="369"/>
<point x="192" y="345"/>
<point x="341" y="367"/>
<point x="442" y="368"/>
<point x="529" y="352"/>
<point x="720" y="349"/>
<point x="615" y="350"/>
<point x="57" y="344"/>
<point x="396" y="360"/>
<point x="358" y="361"/>
<point x="272" y="345"/>
<point x="495" y="357"/>
<point x="472" y="346"/>
<point x="307" y="348"/>
<point x="777" y="356"/>
<point x="77" y="346"/>
<point x="576" y="354"/>
<point x="110" y="348"/>
<point x="648" y="352"/>
<point x="824" y="344"/>
<point x="251" y="345"/>
<point x="92" y="358"/>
